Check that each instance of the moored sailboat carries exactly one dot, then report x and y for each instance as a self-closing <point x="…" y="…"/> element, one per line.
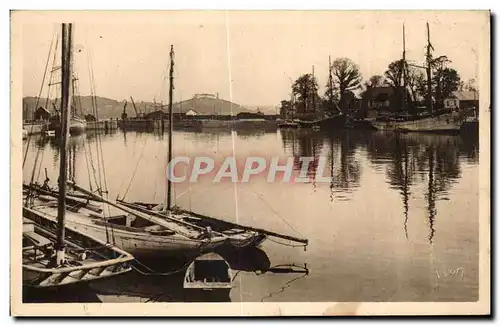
<point x="236" y="235"/>
<point x="433" y="120"/>
<point x="132" y="230"/>
<point x="53" y="253"/>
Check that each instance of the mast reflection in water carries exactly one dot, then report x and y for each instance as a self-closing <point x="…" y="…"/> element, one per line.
<point x="397" y="207"/>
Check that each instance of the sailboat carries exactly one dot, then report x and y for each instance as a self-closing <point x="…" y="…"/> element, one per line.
<point x="236" y="235"/>
<point x="332" y="121"/>
<point x="77" y="123"/>
<point x="433" y="120"/>
<point x="145" y="231"/>
<point x="132" y="230"/>
<point x="55" y="254"/>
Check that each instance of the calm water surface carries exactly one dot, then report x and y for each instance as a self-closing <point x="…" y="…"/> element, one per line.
<point x="398" y="222"/>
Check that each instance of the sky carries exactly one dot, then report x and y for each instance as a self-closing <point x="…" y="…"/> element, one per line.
<point x="248" y="57"/>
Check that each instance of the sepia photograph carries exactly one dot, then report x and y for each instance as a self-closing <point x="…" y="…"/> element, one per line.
<point x="281" y="162"/>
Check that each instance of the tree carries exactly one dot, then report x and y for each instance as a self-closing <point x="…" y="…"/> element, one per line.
<point x="470" y="85"/>
<point x="372" y="82"/>
<point x="305" y="89"/>
<point x="347" y="75"/>
<point x="331" y="97"/>
<point x="445" y="80"/>
<point x="286" y="110"/>
<point x="416" y="84"/>
<point x="394" y="74"/>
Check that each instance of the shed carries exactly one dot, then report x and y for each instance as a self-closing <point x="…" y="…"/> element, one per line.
<point x="41" y="114"/>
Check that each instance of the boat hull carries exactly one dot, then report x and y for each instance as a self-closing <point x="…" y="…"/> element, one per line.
<point x="137" y="243"/>
<point x="332" y="123"/>
<point x="209" y="278"/>
<point x="442" y="123"/>
<point x="76" y="126"/>
<point x="242" y="239"/>
<point x="36" y="274"/>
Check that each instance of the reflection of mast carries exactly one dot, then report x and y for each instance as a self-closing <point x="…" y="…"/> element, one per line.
<point x="331" y="168"/>
<point x="406" y="192"/>
<point x="431" y="195"/>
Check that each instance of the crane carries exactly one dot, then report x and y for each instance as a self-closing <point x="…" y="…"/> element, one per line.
<point x="135" y="108"/>
<point x="124" y="114"/>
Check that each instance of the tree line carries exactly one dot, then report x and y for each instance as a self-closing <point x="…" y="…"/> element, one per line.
<point x="345" y="79"/>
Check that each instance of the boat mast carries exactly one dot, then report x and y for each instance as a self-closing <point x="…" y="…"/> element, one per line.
<point x="403" y="64"/>
<point x="66" y="73"/>
<point x="330" y="83"/>
<point x="170" y="127"/>
<point x="314" y="92"/>
<point x="428" y="69"/>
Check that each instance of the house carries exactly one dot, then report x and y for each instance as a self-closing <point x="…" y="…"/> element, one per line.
<point x="383" y="98"/>
<point x="41" y="114"/>
<point x="462" y="100"/>
<point x="160" y="114"/>
<point x="350" y="104"/>
<point x="191" y="112"/>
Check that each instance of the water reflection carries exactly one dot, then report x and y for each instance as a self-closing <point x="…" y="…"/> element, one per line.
<point x="408" y="160"/>
<point x="339" y="149"/>
<point x="381" y="182"/>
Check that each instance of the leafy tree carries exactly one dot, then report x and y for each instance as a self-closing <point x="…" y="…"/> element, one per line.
<point x="445" y="80"/>
<point x="394" y="74"/>
<point x="305" y="90"/>
<point x="331" y="97"/>
<point x="470" y="85"/>
<point x="347" y="75"/>
<point x="286" y="111"/>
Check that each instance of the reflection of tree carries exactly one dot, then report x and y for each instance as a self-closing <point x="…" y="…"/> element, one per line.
<point x="347" y="173"/>
<point x="431" y="196"/>
<point x="309" y="145"/>
<point x="342" y="165"/>
<point x="433" y="157"/>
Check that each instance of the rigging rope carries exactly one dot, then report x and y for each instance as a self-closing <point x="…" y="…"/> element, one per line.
<point x="135" y="170"/>
<point x="276" y="213"/>
<point x="99" y="152"/>
<point x="156" y="273"/>
<point x="55" y="35"/>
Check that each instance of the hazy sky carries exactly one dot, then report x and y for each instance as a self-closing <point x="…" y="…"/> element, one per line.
<point x="248" y="57"/>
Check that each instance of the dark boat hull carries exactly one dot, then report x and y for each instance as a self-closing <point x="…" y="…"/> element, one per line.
<point x="332" y="123"/>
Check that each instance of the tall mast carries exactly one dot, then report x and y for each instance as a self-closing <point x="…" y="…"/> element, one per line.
<point x="330" y="83"/>
<point x="66" y="72"/>
<point x="170" y="126"/>
<point x="429" y="60"/>
<point x="314" y="92"/>
<point x="403" y="64"/>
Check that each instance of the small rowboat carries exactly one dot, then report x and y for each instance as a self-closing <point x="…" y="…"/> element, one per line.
<point x="209" y="272"/>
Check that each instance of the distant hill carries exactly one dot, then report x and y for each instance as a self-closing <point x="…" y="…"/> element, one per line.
<point x="206" y="104"/>
<point x="109" y="108"/>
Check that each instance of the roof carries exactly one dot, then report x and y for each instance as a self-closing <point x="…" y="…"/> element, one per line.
<point x="381" y="92"/>
<point x="466" y="95"/>
<point x="43" y="109"/>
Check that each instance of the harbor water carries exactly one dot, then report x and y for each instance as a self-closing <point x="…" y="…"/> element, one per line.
<point x="398" y="221"/>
